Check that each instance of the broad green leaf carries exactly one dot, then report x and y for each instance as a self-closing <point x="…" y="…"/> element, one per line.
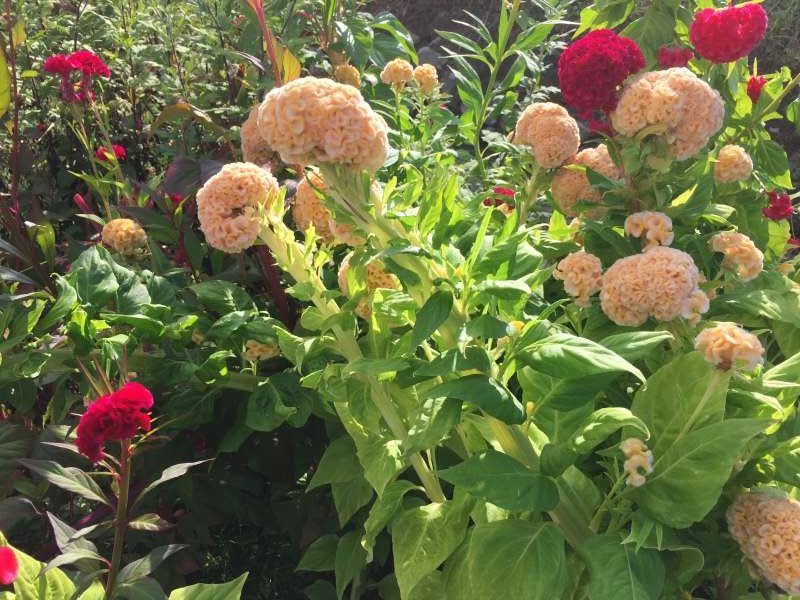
<point x="674" y="493"/>
<point x="509" y="559"/>
<point x="150" y="522"/>
<point x="382" y="512"/>
<point x="683" y="561"/>
<point x="53" y="585"/>
<point x="339" y="464"/>
<point x="350" y="559"/>
<point x="486" y="393"/>
<point x="786" y="374"/>
<point x="5" y="85"/>
<point x="320" y="555"/>
<point x="350" y="496"/>
<point x="67" y="300"/>
<point x="432" y="314"/>
<point x="168" y="474"/>
<point x="433" y="421"/>
<point x="15" y="443"/>
<point x="603" y="423"/>
<point x="618" y="572"/>
<point x="72" y="556"/>
<point x="93" y="277"/>
<point x="320" y="590"/>
<point x="265" y="408"/>
<point x="144" y="588"/>
<point x="71" y="479"/>
<point x="222" y="296"/>
<point x="635" y="345"/>
<point x="231" y="590"/>
<point x="146" y="565"/>
<point x="423" y="538"/>
<point x="501" y="480"/>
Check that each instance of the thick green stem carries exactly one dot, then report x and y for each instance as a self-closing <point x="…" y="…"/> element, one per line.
<point x="121" y="518"/>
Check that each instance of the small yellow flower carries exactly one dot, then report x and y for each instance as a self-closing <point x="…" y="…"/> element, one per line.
<point x="125" y="236"/>
<point x="255" y="350"/>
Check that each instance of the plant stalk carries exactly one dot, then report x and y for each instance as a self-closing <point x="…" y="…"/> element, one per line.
<point x="121" y="518"/>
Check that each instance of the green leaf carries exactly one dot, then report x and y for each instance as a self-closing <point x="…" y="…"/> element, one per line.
<point x="231" y="590"/>
<point x="432" y="314"/>
<point x="423" y="538"/>
<point x="770" y="157"/>
<point x="509" y="559"/>
<point x="265" y="408"/>
<point x="350" y="559"/>
<point x="53" y="585"/>
<point x="67" y="300"/>
<point x="15" y="443"/>
<point x="146" y="565"/>
<point x="169" y="474"/>
<point x="433" y="421"/>
<point x="339" y="464"/>
<point x="683" y="561"/>
<point x="72" y="556"/>
<point x="222" y="296"/>
<point x="635" y="345"/>
<point x="571" y="357"/>
<point x="673" y="493"/>
<point x="618" y="572"/>
<point x="5" y="85"/>
<point x="150" y="522"/>
<point x="382" y="511"/>
<point x="144" y="588"/>
<point x="93" y="277"/>
<point x="484" y="392"/>
<point x="349" y="497"/>
<point x="71" y="479"/>
<point x="501" y="480"/>
<point x="601" y="424"/>
<point x="320" y="555"/>
<point x="685" y="394"/>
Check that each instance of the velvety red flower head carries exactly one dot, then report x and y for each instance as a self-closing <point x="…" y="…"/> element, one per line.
<point x="670" y="56"/>
<point x="58" y="64"/>
<point x="9" y="566"/>
<point x="503" y="191"/>
<point x="117" y="416"/>
<point x="88" y="63"/>
<point x="591" y="70"/>
<point x="754" y="86"/>
<point x="730" y="33"/>
<point x="780" y="206"/>
<point x="104" y="153"/>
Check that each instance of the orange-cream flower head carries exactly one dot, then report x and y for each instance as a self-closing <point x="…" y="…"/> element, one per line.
<point x="572" y="186"/>
<point x="255" y="350"/>
<point x="582" y="274"/>
<point x="427" y="78"/>
<point x="397" y="73"/>
<point x="320" y="121"/>
<point x="639" y="461"/>
<point x="767" y="529"/>
<point x="733" y="164"/>
<point x="728" y="346"/>
<point x="124" y="236"/>
<point x="654" y="227"/>
<point x="254" y="148"/>
<point x="550" y="132"/>
<point x="376" y="278"/>
<point x="740" y="254"/>
<point x="309" y="209"/>
<point x="683" y="108"/>
<point x="348" y="75"/>
<point x="228" y="205"/>
<point x="661" y="283"/>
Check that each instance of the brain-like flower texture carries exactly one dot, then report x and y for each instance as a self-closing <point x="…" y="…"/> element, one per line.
<point x="124" y="236"/>
<point x="639" y="461"/>
<point x="550" y="132"/>
<point x="654" y="227"/>
<point x="684" y="109"/>
<point x="730" y="33"/>
<point x="255" y="350"/>
<point x="582" y="274"/>
<point x="570" y="186"/>
<point x="255" y="148"/>
<point x="228" y="205"/>
<point x="314" y="121"/>
<point x="309" y="209"/>
<point x="662" y="283"/>
<point x="780" y="206"/>
<point x="740" y="254"/>
<point x="669" y="57"/>
<point x="728" y="346"/>
<point x="376" y="277"/>
<point x="348" y="75"/>
<point x="733" y="164"/>
<point x="397" y="73"/>
<point x="591" y="70"/>
<point x="767" y="529"/>
<point x="117" y="416"/>
<point x="427" y="78"/>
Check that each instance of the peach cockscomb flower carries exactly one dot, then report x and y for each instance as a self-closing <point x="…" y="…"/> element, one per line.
<point x="550" y="132"/>
<point x="733" y="164"/>
<point x="254" y="147"/>
<point x="570" y="186"/>
<point x="655" y="227"/>
<point x="740" y="254"/>
<point x="309" y="209"/>
<point x="427" y="78"/>
<point x="255" y="350"/>
<point x="397" y="73"/>
<point x="347" y="74"/>
<point x="582" y="274"/>
<point x="639" y="459"/>
<point x="125" y="236"/>
<point x="728" y="346"/>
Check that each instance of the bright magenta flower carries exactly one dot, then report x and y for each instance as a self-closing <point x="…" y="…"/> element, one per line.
<point x="58" y="64"/>
<point x="9" y="566"/>
<point x="670" y="56"/>
<point x="728" y="34"/>
<point x="754" y="86"/>
<point x="104" y="153"/>
<point x="88" y="63"/>
<point x="780" y="206"/>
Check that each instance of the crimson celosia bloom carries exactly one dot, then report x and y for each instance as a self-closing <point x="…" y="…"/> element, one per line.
<point x="780" y="206"/>
<point x="104" y="153"/>
<point x="730" y="33"/>
<point x="9" y="566"/>
<point x="58" y="64"/>
<point x="591" y="70"/>
<point x="754" y="86"/>
<point x="793" y="241"/>
<point x="88" y="63"/>
<point x="670" y="56"/>
<point x="117" y="416"/>
<point x="503" y="191"/>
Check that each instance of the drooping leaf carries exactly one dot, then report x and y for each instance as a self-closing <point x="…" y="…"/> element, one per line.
<point x="71" y="479"/>
<point x="320" y="555"/>
<point x="231" y="590"/>
<point x="350" y="559"/>
<point x="619" y="572"/>
<point x="484" y="392"/>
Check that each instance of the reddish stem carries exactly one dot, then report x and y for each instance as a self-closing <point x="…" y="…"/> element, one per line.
<point x="277" y="293"/>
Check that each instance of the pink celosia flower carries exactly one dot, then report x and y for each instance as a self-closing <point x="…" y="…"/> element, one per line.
<point x="727" y="34"/>
<point x="88" y="63"/>
<point x="58" y="64"/>
<point x="754" y="86"/>
<point x="780" y="206"/>
<point x="104" y="154"/>
<point x="9" y="566"/>
<point x="550" y="131"/>
<point x="669" y="56"/>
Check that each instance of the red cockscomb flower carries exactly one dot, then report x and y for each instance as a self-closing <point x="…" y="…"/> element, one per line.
<point x="503" y="191"/>
<point x="117" y="416"/>
<point x="730" y="33"/>
<point x="670" y="56"/>
<point x="601" y="126"/>
<point x="780" y="206"/>
<point x="104" y="153"/>
<point x="58" y="64"/>
<point x="591" y="70"/>
<point x="754" y="86"/>
<point x="9" y="566"/>
<point x="88" y="63"/>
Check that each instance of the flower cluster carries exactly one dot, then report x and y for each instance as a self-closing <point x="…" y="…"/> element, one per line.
<point x="84" y="62"/>
<point x="348" y="75"/>
<point x="727" y="346"/>
<point x="740" y="253"/>
<point x="117" y="416"/>
<point x="255" y="350"/>
<point x="397" y="73"/>
<point x="309" y="209"/>
<point x="254" y="147"/>
<point x="662" y="283"/>
<point x="655" y="227"/>
<point x="116" y="153"/>
<point x="767" y="529"/>
<point x="376" y="277"/>
<point x="503" y="199"/>
<point x="582" y="274"/>
<point x="675" y="101"/>
<point x="669" y="57"/>
<point x="755" y="84"/>
<point x="733" y="164"/>
<point x="313" y="121"/>
<point x="125" y="236"/>
<point x="570" y="186"/>
<point x="427" y="78"/>
<point x="9" y="566"/>
<point x="550" y="132"/>
<point x="728" y="34"/>
<point x="591" y="70"/>
<point x="228" y="205"/>
<point x="639" y="459"/>
<point x="780" y="206"/>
